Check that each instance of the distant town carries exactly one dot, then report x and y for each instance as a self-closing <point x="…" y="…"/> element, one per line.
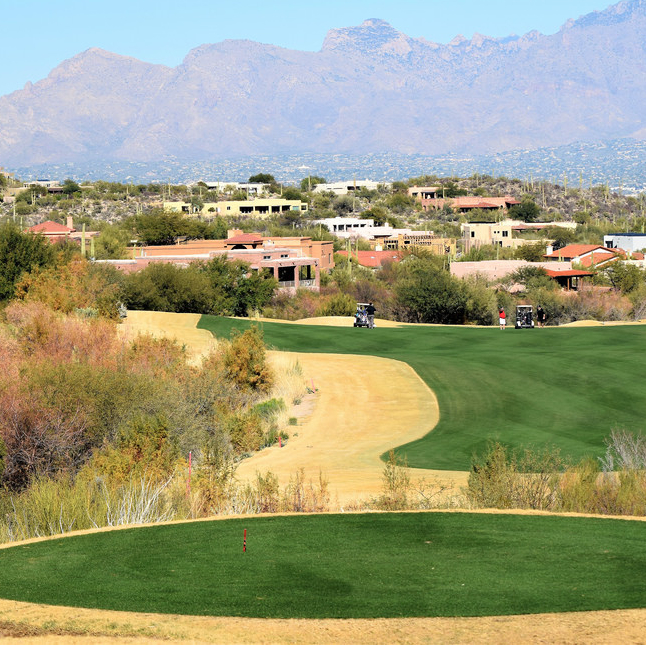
<point x="619" y="164"/>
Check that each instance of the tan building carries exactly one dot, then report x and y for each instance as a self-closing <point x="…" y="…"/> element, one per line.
<point x="418" y="239"/>
<point x="424" y="192"/>
<point x="259" y="208"/>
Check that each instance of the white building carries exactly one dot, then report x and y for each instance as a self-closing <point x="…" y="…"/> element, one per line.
<point x="345" y="187"/>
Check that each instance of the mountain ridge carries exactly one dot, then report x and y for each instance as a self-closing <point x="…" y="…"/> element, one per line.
<point x="370" y="88"/>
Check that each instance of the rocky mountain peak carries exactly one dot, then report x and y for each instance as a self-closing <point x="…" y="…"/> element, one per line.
<point x="370" y="37"/>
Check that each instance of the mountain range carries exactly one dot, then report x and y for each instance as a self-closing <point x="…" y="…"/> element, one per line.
<point x="369" y="89"/>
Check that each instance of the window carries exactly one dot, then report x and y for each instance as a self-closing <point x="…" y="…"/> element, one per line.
<point x="505" y="233"/>
<point x="266" y="257"/>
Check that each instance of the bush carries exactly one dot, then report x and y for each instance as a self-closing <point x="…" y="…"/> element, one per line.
<point x="245" y="363"/>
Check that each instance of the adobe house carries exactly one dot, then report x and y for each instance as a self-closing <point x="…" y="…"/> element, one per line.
<point x="587" y="255"/>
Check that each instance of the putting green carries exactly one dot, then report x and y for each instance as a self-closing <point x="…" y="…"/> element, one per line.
<point x="344" y="566"/>
<point x="564" y="387"/>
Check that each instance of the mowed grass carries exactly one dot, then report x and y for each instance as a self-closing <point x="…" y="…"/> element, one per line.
<point x="563" y="387"/>
<point x="344" y="566"/>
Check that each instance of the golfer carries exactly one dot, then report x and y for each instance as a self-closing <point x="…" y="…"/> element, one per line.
<point x="370" y="310"/>
<point x="502" y="318"/>
<point x="540" y="316"/>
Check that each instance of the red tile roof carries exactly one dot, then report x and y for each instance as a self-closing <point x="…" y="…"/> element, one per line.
<point x="577" y="250"/>
<point x="51" y="228"/>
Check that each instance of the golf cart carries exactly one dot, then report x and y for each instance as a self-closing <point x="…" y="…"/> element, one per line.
<point x="361" y="317"/>
<point x="524" y="317"/>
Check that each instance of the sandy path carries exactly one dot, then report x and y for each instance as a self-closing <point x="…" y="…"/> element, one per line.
<point x="364" y="406"/>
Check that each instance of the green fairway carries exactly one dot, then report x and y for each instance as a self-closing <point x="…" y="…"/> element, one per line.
<point x="346" y="566"/>
<point x="568" y="387"/>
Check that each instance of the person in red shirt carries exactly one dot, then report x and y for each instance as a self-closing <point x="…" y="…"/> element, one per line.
<point x="502" y="318"/>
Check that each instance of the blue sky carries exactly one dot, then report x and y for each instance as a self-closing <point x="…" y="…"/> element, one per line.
<point x="36" y="36"/>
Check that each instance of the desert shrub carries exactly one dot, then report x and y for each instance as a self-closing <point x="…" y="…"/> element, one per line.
<point x="615" y="484"/>
<point x="594" y="304"/>
<point x="396" y="485"/>
<point x="244" y="361"/>
<point x="75" y="285"/>
<point x="37" y="439"/>
<point x="501" y="478"/>
<point x="301" y="496"/>
<point x="144" y="447"/>
<point x="481" y="305"/>
<point x="244" y="430"/>
<point x="340" y="304"/>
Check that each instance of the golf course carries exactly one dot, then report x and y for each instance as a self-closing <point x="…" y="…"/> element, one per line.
<point x="371" y="577"/>
<point x="562" y="387"/>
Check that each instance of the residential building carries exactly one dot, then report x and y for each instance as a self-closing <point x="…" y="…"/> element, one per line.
<point x="629" y="242"/>
<point x="296" y="262"/>
<point x="258" y="208"/>
<point x="587" y="255"/>
<point x="345" y="187"/>
<point x="465" y="205"/>
<point x="56" y="232"/>
<point x="373" y="259"/>
<point x="493" y="270"/>
<point x="252" y="189"/>
<point x="419" y="239"/>
<point x="424" y="192"/>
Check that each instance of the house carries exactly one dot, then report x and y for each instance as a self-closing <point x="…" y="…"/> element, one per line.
<point x="56" y="232"/>
<point x="629" y="242"/>
<point x="386" y="237"/>
<point x="258" y="208"/>
<point x="477" y="234"/>
<point x="419" y="239"/>
<point x="493" y="270"/>
<point x="251" y="188"/>
<point x="424" y="192"/>
<point x="465" y="205"/>
<point x="345" y="187"/>
<point x="373" y="259"/>
<point x="587" y="255"/>
<point x="296" y="262"/>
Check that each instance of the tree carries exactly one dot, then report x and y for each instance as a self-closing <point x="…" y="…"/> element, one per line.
<point x="307" y="183"/>
<point x="158" y="227"/>
<point x="20" y="253"/>
<point x="292" y="193"/>
<point x="429" y="294"/>
<point x="526" y="211"/>
<point x="531" y="252"/>
<point x="236" y="289"/>
<point x="70" y="187"/>
<point x="625" y="277"/>
<point x="166" y="287"/>
<point x="261" y="178"/>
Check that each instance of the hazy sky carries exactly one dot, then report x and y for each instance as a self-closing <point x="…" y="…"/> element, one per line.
<point x="35" y="36"/>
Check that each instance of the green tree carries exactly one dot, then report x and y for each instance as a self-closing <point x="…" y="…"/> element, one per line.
<point x="307" y="183"/>
<point x="20" y="253"/>
<point x="166" y="287"/>
<point x="531" y="252"/>
<point x="158" y="227"/>
<point x="261" y="178"/>
<point x="70" y="187"/>
<point x="427" y="293"/>
<point x="526" y="211"/>
<point x="236" y="289"/>
<point x="625" y="277"/>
